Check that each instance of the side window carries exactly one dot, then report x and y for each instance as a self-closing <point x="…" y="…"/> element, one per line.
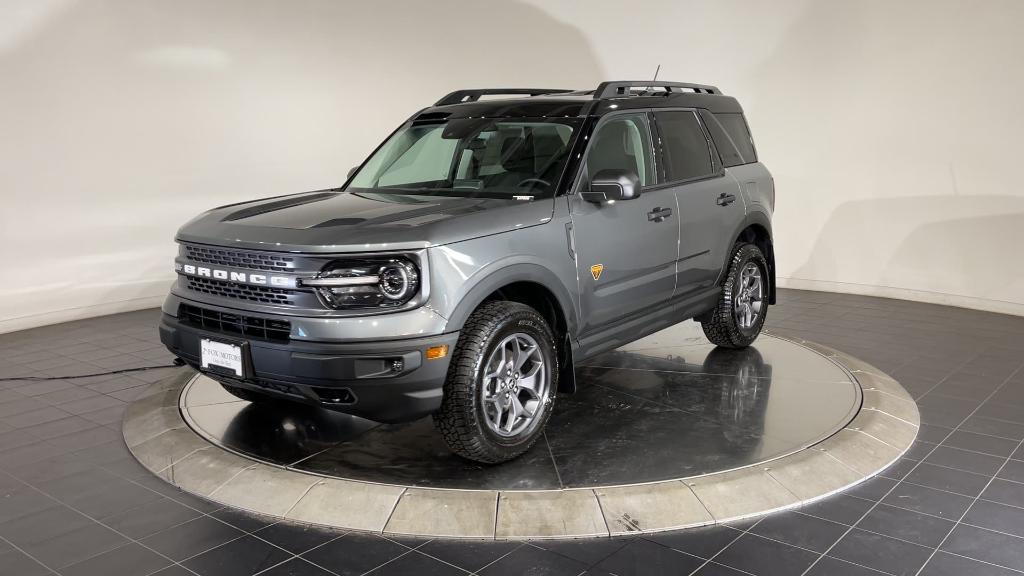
<point x="687" y="154"/>
<point x="624" y="143"/>
<point x="736" y="126"/>
<point x="726" y="149"/>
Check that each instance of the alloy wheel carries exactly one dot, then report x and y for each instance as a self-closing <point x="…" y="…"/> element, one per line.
<point x="515" y="386"/>
<point x="749" y="297"/>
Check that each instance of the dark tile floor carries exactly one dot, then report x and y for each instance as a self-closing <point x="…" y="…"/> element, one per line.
<point x="74" y="502"/>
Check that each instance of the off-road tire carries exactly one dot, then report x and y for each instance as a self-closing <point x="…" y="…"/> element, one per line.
<point x="720" y="325"/>
<point x="461" y="420"/>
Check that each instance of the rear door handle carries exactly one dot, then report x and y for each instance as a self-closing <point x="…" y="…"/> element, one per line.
<point x="659" y="214"/>
<point x="725" y="199"/>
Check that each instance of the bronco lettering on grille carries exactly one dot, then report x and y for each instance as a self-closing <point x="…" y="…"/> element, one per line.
<point x="232" y="276"/>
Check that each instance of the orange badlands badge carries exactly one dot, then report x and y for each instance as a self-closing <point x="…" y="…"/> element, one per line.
<point x="596" y="270"/>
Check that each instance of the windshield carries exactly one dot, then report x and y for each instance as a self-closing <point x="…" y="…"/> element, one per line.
<point x="476" y="157"/>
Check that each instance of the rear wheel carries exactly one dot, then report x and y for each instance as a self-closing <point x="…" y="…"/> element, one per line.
<point x="501" y="383"/>
<point x="739" y="316"/>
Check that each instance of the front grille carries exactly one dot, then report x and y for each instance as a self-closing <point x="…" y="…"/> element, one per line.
<point x="228" y="323"/>
<point x="264" y="294"/>
<point x="240" y="259"/>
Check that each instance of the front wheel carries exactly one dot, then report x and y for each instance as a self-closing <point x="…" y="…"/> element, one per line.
<point x="501" y="383"/>
<point x="739" y="315"/>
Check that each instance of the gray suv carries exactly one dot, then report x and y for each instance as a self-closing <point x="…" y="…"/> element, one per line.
<point x="491" y="242"/>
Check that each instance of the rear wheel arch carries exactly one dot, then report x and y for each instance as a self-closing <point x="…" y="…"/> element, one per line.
<point x="758" y="231"/>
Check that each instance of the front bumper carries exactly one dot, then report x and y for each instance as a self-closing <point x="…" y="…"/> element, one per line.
<point x="346" y="377"/>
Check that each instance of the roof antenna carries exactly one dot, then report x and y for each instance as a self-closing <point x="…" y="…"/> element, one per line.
<point x="656" y="70"/>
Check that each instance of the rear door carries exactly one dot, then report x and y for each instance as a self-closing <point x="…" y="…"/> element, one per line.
<point x="710" y="205"/>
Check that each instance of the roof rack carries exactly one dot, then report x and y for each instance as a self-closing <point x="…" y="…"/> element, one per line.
<point x="460" y="96"/>
<point x="623" y="87"/>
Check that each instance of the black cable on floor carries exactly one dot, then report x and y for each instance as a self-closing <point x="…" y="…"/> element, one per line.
<point x="177" y="362"/>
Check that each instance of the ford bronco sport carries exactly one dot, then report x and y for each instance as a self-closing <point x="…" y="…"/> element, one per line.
<point x="487" y="245"/>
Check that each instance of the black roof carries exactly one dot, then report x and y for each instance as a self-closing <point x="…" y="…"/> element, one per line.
<point x="607" y="97"/>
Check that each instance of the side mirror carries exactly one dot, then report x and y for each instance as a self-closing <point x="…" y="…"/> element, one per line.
<point x="351" y="172"/>
<point x="613" y="184"/>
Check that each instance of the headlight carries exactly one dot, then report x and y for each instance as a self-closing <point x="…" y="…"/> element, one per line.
<point x="398" y="280"/>
<point x="366" y="283"/>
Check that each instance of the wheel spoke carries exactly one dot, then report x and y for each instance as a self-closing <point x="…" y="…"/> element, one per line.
<point x="514" y="385"/>
<point x="524" y="408"/>
<point x="529" y="385"/>
<point x="535" y="368"/>
<point x="517" y="354"/>
<point x="496" y="371"/>
<point x="514" y="408"/>
<point x="523" y="354"/>
<point x="498" y="411"/>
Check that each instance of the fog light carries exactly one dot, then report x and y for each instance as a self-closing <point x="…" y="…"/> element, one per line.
<point x="435" y="352"/>
<point x="397" y="365"/>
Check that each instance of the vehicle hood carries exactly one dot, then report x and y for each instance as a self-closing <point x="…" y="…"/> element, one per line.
<point x="333" y="221"/>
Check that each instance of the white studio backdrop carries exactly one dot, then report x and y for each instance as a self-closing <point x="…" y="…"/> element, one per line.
<point x="890" y="128"/>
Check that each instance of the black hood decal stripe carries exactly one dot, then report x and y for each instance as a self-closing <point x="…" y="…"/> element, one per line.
<point x="271" y="206"/>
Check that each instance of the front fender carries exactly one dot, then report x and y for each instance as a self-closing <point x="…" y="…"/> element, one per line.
<point x="502" y="273"/>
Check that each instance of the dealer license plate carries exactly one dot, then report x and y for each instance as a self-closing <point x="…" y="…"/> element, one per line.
<point x="223" y="355"/>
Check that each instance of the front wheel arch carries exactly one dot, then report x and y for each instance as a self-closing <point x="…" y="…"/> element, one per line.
<point x="491" y="286"/>
<point x="538" y="288"/>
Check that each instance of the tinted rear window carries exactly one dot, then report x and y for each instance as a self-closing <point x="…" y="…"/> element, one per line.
<point x="687" y="154"/>
<point x="726" y="150"/>
<point x="736" y="126"/>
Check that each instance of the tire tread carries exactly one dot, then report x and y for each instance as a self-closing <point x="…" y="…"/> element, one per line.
<point x="455" y="420"/>
<point x="719" y="327"/>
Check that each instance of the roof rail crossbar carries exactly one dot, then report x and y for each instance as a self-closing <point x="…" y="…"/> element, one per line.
<point x="622" y="87"/>
<point x="460" y="96"/>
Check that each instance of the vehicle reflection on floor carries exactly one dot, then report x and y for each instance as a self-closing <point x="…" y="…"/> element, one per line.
<point x="643" y="413"/>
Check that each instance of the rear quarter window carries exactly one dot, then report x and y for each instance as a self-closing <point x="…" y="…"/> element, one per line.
<point x="723" y="143"/>
<point x="735" y="126"/>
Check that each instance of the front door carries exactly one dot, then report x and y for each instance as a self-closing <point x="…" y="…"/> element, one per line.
<point x="626" y="250"/>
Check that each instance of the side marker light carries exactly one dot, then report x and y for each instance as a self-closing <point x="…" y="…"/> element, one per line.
<point x="436" y="352"/>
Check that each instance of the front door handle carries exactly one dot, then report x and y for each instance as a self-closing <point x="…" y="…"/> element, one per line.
<point x="659" y="214"/>
<point x="725" y="199"/>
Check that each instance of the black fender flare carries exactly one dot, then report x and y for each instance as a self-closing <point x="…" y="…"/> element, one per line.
<point x="761" y="218"/>
<point x="519" y="272"/>
<point x="526" y="272"/>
